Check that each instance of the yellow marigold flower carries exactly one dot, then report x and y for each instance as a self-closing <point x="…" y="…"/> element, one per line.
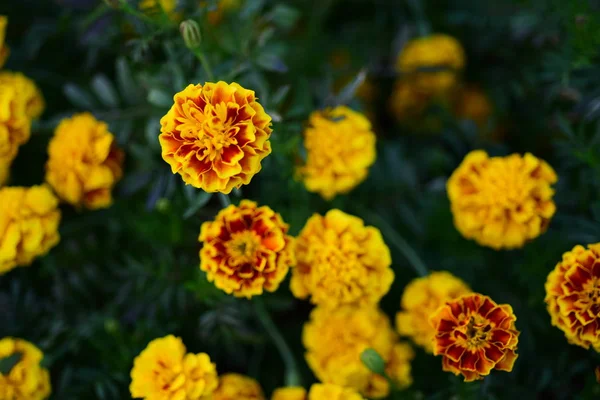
<point x="474" y="335"/>
<point x="163" y="370"/>
<point x="84" y="162"/>
<point x="238" y="387"/>
<point x="472" y="103"/>
<point x="27" y="380"/>
<point x="340" y="147"/>
<point x="29" y="219"/>
<point x="246" y="249"/>
<point x="25" y="89"/>
<point x="289" y="393"/>
<point x="335" y="339"/>
<point x="572" y="295"/>
<point x="4" y="51"/>
<point x="502" y="202"/>
<point x="328" y="391"/>
<point x="215" y="136"/>
<point x="341" y="261"/>
<point x="421" y="298"/>
<point x="421" y="57"/>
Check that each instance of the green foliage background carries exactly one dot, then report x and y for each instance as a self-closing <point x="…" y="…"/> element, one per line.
<point x="126" y="275"/>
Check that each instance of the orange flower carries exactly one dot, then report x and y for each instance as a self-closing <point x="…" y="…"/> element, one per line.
<point x="246" y="249"/>
<point x="215" y="136"/>
<point x="475" y="335"/>
<point x="573" y="295"/>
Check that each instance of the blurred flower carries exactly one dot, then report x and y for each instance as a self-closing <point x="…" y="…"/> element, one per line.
<point x="472" y="103"/>
<point x="289" y="393"/>
<point x="29" y="219"/>
<point x="340" y="148"/>
<point x="502" y="202"/>
<point x="431" y="62"/>
<point x="152" y="7"/>
<point x="335" y="339"/>
<point x="421" y="298"/>
<point x="341" y="261"/>
<point x="573" y="295"/>
<point x="4" y="50"/>
<point x="215" y="136"/>
<point x="223" y="7"/>
<point x="407" y="102"/>
<point x="237" y="387"/>
<point x="328" y="391"/>
<point x="475" y="335"/>
<point x="163" y="370"/>
<point x="190" y="31"/>
<point x="27" y="380"/>
<point x="84" y="162"/>
<point x="246" y="249"/>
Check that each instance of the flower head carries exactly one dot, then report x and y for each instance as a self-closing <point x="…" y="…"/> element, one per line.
<point x="340" y="148"/>
<point x="27" y="380"/>
<point x="421" y="298"/>
<point x="4" y="51"/>
<point x="502" y="202"/>
<point x="246" y="249"/>
<point x="289" y="393"/>
<point x="341" y="261"/>
<point x="573" y="296"/>
<point x="163" y="370"/>
<point x="29" y="219"/>
<point x="84" y="162"/>
<point x="474" y="335"/>
<point x="328" y="391"/>
<point x="335" y="339"/>
<point x="215" y="136"/>
<point x="238" y="387"/>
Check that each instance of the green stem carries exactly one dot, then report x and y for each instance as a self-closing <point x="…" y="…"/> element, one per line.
<point x="225" y="201"/>
<point x="292" y="376"/>
<point x="205" y="64"/>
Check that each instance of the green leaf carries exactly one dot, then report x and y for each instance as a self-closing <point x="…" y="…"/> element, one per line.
<point x="271" y="62"/>
<point x="7" y="363"/>
<point x="160" y="98"/>
<point x="200" y="201"/>
<point x="79" y="97"/>
<point x="285" y="16"/>
<point x="347" y="93"/>
<point x="372" y="360"/>
<point x="104" y="89"/>
<point x="126" y="83"/>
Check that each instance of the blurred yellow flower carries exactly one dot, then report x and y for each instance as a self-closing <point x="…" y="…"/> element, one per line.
<point x="341" y="261"/>
<point x="421" y="298"/>
<point x="29" y="219"/>
<point x="215" y="136"/>
<point x="502" y="202"/>
<point x="572" y="296"/>
<point x="237" y="387"/>
<point x="163" y="370"/>
<point x="152" y="6"/>
<point x="27" y="380"/>
<point x="246" y="249"/>
<point x="84" y="162"/>
<point x="335" y="339"/>
<point x="289" y="393"/>
<point x="328" y="391"/>
<point x="4" y="50"/>
<point x="472" y="103"/>
<point x="340" y="148"/>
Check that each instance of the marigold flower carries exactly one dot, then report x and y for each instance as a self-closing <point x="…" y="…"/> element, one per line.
<point x="432" y="62"/>
<point x="4" y="51"/>
<point x="215" y="136"/>
<point x="84" y="162"/>
<point x="502" y="202"/>
<point x="27" y="380"/>
<point x="340" y="147"/>
<point x="573" y="295"/>
<point x="238" y="387"/>
<point x="421" y="298"/>
<point x="474" y="335"/>
<point x="341" y="261"/>
<point x="163" y="370"/>
<point x="289" y="393"/>
<point x="246" y="249"/>
<point x="335" y="339"/>
<point x="29" y="219"/>
<point x="328" y="391"/>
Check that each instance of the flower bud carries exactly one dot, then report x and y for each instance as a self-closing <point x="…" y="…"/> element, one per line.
<point x="190" y="31"/>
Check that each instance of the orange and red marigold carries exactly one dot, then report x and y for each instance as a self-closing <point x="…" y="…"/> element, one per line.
<point x="246" y="249"/>
<point x="474" y="335"/>
<point x="573" y="296"/>
<point x="215" y="136"/>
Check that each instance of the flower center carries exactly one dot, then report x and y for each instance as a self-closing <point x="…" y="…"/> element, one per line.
<point x="476" y="332"/>
<point x="243" y="246"/>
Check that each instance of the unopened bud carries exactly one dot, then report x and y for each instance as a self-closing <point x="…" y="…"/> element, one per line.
<point x="190" y="31"/>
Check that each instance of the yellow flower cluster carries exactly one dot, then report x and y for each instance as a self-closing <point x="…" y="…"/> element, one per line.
<point x="164" y="371"/>
<point x="341" y="261"/>
<point x="84" y="162"/>
<point x="237" y="387"/>
<point x="27" y="379"/>
<point x="340" y="148"/>
<point x="246" y="249"/>
<point x="421" y="298"/>
<point x="4" y="50"/>
<point x="573" y="296"/>
<point x="318" y="391"/>
<point x="29" y="219"/>
<point x="502" y="202"/>
<point x="335" y="339"/>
